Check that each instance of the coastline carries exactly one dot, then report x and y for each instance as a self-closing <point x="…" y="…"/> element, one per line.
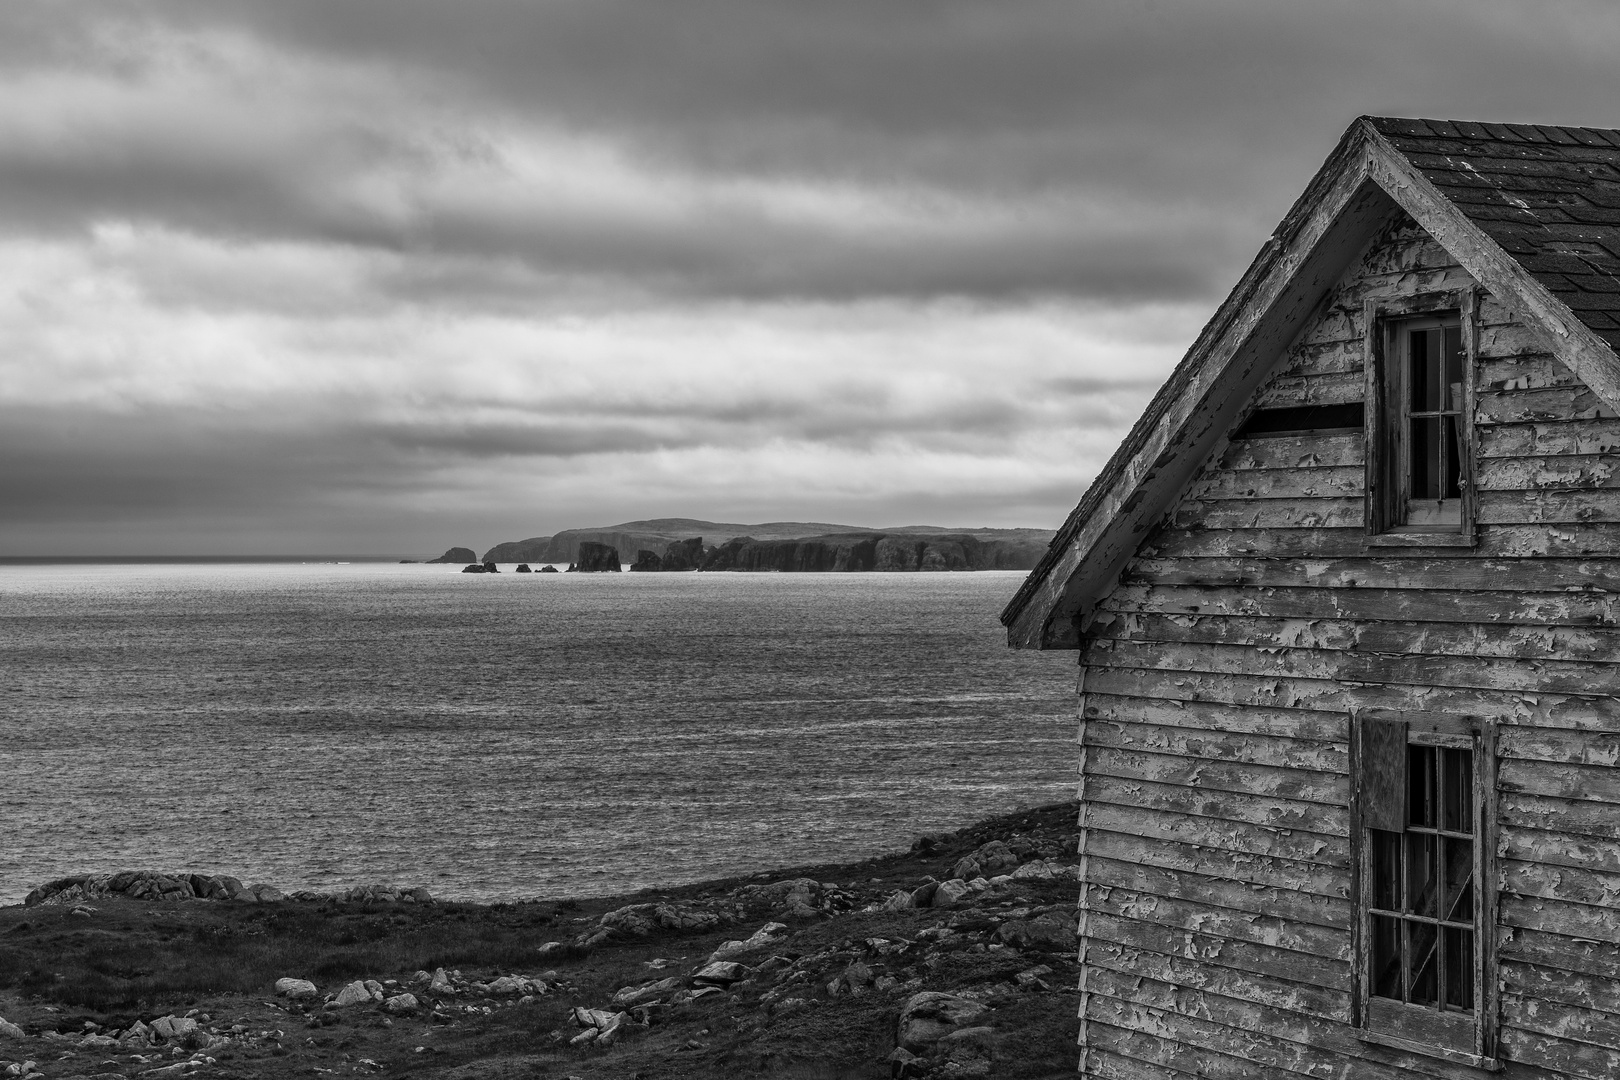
<point x="854" y="946"/>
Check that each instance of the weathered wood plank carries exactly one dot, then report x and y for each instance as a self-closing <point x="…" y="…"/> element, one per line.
<point x="1305" y="786"/>
<point x="1266" y="1037"/>
<point x="1585" y="471"/>
<point x="1570" y="748"/>
<point x="1543" y="710"/>
<point x="1556" y="506"/>
<point x="1233" y="746"/>
<point x="1121" y="1052"/>
<point x="1507" y="340"/>
<point x="1291" y="483"/>
<point x="1153" y="823"/>
<point x="1292" y="391"/>
<point x="1527" y="371"/>
<point x="1103" y="1064"/>
<point x="1567" y="539"/>
<point x="1193" y="971"/>
<point x="1270" y="513"/>
<point x="1570" y="817"/>
<point x="1293" y="452"/>
<point x="1587" y="956"/>
<point x="1243" y="958"/>
<point x="1258" y="870"/>
<point x="1572" y="885"/>
<point x="1525" y="676"/>
<point x="1410" y="605"/>
<point x="1550" y="439"/>
<point x="1276" y="900"/>
<point x="1260" y="929"/>
<point x="1575" y="402"/>
<point x="1428" y="639"/>
<point x="1536" y="982"/>
<point x="1565" y="1021"/>
<point x="1591" y="783"/>
<point x="1570" y="1059"/>
<point x="1529" y="840"/>
<point x="1266" y="810"/>
<point x="1288" y="724"/>
<point x="1556" y="575"/>
<point x="1325" y="358"/>
<point x="1556" y="917"/>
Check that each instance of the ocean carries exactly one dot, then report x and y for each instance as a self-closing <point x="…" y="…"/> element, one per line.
<point x="502" y="737"/>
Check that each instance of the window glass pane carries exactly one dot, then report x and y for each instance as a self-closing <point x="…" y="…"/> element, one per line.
<point x="1421" y="940"/>
<point x="1420" y="786"/>
<point x="1426" y="371"/>
<point x="1386" y="957"/>
<point x="1424" y="447"/>
<point x="1459" y="878"/>
<point x="1459" y="785"/>
<point x="1386" y="870"/>
<point x="1421" y="880"/>
<point x="1458" y="946"/>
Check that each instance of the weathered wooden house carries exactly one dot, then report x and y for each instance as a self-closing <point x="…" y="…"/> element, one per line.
<point x="1347" y="606"/>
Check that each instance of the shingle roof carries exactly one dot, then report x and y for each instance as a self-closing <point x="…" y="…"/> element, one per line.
<point x="1533" y="211"/>
<point x="1549" y="197"/>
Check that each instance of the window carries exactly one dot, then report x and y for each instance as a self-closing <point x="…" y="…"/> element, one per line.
<point x="1422" y="848"/>
<point x="1420" y="420"/>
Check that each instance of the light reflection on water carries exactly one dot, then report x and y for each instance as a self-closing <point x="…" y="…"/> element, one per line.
<point x="505" y="736"/>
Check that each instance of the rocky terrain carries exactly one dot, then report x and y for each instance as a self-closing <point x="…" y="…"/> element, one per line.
<point x="953" y="959"/>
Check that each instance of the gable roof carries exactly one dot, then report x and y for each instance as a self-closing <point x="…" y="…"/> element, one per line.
<point x="1532" y="212"/>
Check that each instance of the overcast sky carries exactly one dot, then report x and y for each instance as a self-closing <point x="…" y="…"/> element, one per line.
<point x="305" y="276"/>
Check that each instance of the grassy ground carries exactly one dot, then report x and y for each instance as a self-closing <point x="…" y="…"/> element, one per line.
<point x="64" y="974"/>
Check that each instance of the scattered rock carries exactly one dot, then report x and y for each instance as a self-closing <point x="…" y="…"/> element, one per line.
<point x="927" y="1017"/>
<point x="10" y="1030"/>
<point x="401" y="1004"/>
<point x="173" y="1028"/>
<point x="720" y="973"/>
<point x="296" y="988"/>
<point x="353" y="994"/>
<point x="1052" y="932"/>
<point x="758" y="940"/>
<point x="947" y="893"/>
<point x="987" y="860"/>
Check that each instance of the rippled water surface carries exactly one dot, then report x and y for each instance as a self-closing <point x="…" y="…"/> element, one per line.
<point x="505" y="736"/>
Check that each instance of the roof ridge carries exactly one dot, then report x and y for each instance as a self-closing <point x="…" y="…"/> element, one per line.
<point x="1436" y="128"/>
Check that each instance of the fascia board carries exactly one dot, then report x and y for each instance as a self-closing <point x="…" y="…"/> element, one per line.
<point x="1226" y="362"/>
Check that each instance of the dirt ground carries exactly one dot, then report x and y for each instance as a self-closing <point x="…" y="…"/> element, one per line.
<point x="821" y="997"/>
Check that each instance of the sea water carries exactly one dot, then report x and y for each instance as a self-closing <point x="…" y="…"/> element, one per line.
<point x="506" y="736"/>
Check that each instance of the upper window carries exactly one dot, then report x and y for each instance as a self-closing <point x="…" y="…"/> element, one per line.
<point x="1424" y="958"/>
<point x="1419" y="425"/>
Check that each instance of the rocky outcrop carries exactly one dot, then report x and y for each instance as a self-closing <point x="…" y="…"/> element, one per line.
<point x="481" y="568"/>
<point x="646" y="561"/>
<point x="681" y="555"/>
<point x="151" y="885"/>
<point x="547" y="569"/>
<point x="455" y="555"/>
<point x="596" y="558"/>
<point x="523" y="568"/>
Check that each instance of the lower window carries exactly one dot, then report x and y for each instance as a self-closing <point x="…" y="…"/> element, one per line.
<point x="1423" y="956"/>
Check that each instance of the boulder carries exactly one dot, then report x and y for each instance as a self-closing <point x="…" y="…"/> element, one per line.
<point x="720" y="973"/>
<point x="631" y="996"/>
<point x="473" y="568"/>
<point x="758" y="940"/>
<point x="1051" y="932"/>
<point x="401" y="1004"/>
<point x="523" y="568"/>
<point x="267" y="894"/>
<point x="507" y="986"/>
<point x="296" y="988"/>
<point x="1047" y="870"/>
<point x="173" y="1029"/>
<point x="353" y="994"/>
<point x="457" y="554"/>
<point x="928" y="1017"/>
<point x="548" y="569"/>
<point x="440" y="983"/>
<point x="9" y="1030"/>
<point x="900" y="901"/>
<point x="947" y="893"/>
<point x="987" y="860"/>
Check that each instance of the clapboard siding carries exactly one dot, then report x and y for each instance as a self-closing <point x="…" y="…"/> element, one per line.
<point x="1220" y="675"/>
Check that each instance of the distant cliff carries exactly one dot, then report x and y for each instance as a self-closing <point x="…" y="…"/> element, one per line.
<point x="878" y="552"/>
<point x="456" y="555"/>
<point x="987" y="549"/>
